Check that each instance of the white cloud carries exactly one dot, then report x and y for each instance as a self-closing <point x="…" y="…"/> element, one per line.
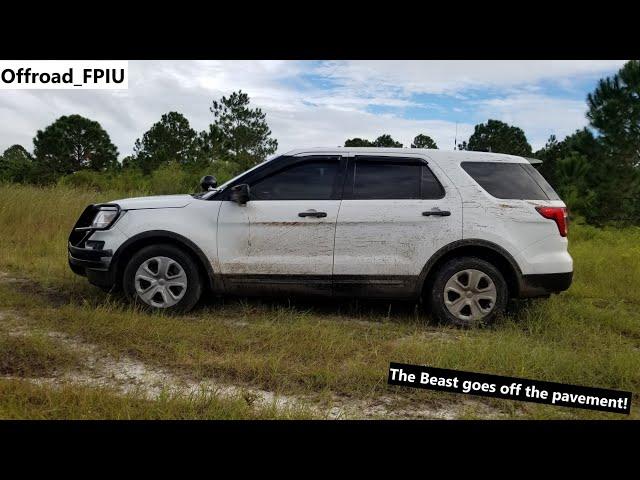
<point x="315" y="127"/>
<point x="452" y="76"/>
<point x="538" y="115"/>
<point x="311" y="103"/>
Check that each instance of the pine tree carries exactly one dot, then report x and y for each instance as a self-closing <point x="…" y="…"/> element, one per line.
<point x="614" y="110"/>
<point x="424" y="141"/>
<point x="498" y="137"/>
<point x="73" y="143"/>
<point x="170" y="140"/>
<point x="239" y="134"/>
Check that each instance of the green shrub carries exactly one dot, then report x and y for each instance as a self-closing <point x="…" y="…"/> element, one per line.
<point x="87" y="179"/>
<point x="169" y="178"/>
<point x="172" y="178"/>
<point x="128" y="181"/>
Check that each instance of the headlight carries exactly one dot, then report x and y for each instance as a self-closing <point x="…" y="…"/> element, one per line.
<point x="105" y="217"/>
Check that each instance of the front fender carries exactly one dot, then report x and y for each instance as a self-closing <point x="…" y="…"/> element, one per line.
<point x="150" y="237"/>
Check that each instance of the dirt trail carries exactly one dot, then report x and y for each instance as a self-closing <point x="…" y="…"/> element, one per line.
<point x="55" y="297"/>
<point x="129" y="375"/>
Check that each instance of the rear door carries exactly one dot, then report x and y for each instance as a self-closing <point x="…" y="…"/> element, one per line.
<point x="397" y="211"/>
<point x="282" y="239"/>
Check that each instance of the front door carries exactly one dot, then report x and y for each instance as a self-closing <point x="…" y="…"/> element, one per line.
<point x="282" y="239"/>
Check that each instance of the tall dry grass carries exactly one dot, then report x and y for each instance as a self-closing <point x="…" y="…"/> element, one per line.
<point x="589" y="335"/>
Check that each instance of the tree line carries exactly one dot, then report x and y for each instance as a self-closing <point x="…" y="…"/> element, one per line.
<point x="596" y="170"/>
<point x="75" y="146"/>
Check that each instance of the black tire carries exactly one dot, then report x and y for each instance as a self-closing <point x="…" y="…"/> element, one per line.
<point x="435" y="296"/>
<point x="194" y="281"/>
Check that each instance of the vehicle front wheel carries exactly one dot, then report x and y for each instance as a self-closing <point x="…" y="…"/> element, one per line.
<point x="163" y="277"/>
<point x="467" y="292"/>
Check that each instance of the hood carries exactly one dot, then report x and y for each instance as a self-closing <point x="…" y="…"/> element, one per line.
<point x="158" y="201"/>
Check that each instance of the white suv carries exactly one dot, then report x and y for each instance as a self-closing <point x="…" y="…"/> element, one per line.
<point x="464" y="231"/>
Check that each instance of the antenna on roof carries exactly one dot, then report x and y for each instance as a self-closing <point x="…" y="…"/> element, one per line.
<point x="455" y="139"/>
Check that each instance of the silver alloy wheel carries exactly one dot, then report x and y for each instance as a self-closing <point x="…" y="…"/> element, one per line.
<point x="470" y="295"/>
<point x="160" y="282"/>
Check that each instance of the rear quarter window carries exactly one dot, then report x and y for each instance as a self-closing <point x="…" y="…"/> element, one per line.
<point x="514" y="181"/>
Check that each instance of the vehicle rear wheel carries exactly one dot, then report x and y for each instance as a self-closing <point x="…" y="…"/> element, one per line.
<point x="164" y="278"/>
<point x="467" y="292"/>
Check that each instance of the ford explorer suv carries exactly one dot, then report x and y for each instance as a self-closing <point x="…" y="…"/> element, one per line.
<point x="461" y="231"/>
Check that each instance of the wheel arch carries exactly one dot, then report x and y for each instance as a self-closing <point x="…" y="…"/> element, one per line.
<point x="133" y="244"/>
<point x="484" y="249"/>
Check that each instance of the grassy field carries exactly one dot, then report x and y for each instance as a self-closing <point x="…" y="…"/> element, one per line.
<point x="323" y="353"/>
<point x="23" y="400"/>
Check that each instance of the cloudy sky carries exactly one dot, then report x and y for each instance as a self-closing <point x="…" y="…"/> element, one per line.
<point x="321" y="103"/>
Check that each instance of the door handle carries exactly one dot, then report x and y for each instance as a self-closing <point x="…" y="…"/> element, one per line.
<point x="312" y="213"/>
<point x="436" y="212"/>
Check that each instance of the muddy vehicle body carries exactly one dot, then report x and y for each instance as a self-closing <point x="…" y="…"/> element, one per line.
<point x="463" y="231"/>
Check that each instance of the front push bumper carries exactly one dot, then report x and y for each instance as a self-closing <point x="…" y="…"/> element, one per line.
<point x="92" y="263"/>
<point x="87" y="255"/>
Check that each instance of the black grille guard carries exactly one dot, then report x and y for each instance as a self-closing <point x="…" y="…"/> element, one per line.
<point x="82" y="230"/>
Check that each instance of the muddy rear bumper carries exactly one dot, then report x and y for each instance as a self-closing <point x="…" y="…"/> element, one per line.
<point x="542" y="285"/>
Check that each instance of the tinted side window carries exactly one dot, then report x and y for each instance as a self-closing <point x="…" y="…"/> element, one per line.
<point x="431" y="187"/>
<point x="386" y="180"/>
<point x="505" y="180"/>
<point x="540" y="180"/>
<point x="312" y="180"/>
<point x="392" y="180"/>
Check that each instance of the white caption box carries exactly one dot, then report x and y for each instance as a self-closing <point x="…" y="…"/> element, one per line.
<point x="64" y="74"/>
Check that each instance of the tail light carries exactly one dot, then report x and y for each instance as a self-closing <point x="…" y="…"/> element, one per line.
<point x="559" y="215"/>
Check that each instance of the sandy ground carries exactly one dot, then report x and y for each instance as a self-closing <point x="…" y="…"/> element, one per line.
<point x="126" y="374"/>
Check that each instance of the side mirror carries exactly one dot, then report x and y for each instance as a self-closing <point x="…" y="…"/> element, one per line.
<point x="208" y="182"/>
<point x="240" y="194"/>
